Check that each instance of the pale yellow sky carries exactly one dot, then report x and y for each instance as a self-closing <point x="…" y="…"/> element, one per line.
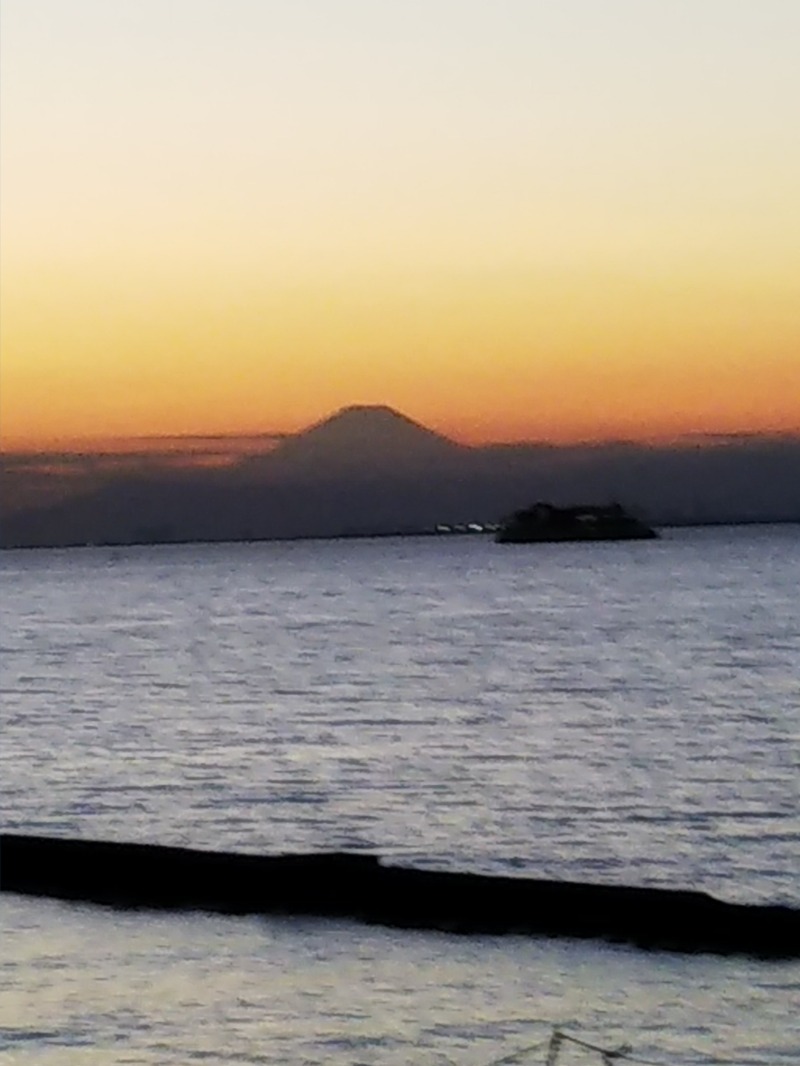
<point x="515" y="219"/>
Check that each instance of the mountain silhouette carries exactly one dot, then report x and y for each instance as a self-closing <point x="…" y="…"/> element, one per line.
<point x="361" y="441"/>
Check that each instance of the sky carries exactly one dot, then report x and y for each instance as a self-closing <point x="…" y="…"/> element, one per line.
<point x="509" y="219"/>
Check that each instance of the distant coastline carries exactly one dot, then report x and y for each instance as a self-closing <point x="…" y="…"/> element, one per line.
<point x="381" y="535"/>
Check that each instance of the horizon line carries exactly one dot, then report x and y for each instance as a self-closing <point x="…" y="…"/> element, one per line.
<point x="114" y="444"/>
<point x="99" y="447"/>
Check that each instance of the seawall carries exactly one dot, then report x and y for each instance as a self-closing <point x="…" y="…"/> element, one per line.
<point x="363" y="888"/>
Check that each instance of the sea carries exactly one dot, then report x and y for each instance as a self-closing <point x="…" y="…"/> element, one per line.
<point x="621" y="713"/>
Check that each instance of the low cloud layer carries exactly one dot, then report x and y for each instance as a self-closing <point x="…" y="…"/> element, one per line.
<point x="374" y="471"/>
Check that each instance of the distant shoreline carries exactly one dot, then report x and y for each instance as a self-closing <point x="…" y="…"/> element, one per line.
<point x="394" y="534"/>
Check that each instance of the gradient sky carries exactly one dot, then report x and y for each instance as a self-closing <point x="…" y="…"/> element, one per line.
<point x="510" y="219"/>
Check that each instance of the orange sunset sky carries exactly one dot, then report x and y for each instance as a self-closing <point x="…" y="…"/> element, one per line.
<point x="510" y="220"/>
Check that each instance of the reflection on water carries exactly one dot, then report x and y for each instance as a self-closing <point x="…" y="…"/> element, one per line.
<point x="599" y="712"/>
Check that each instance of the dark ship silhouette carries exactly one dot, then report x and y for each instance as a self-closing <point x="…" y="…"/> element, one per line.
<point x="544" y="522"/>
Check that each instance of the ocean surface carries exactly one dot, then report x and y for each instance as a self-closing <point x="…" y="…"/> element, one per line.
<point x="622" y="713"/>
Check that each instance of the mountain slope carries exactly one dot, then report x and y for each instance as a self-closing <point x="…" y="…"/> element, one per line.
<point x="366" y="439"/>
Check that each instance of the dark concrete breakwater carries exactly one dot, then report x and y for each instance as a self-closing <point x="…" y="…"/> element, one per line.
<point x="364" y="888"/>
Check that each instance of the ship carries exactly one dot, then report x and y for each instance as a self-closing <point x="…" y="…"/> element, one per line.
<point x="543" y="522"/>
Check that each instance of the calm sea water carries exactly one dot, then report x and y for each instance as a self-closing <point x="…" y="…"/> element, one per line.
<point x="612" y="712"/>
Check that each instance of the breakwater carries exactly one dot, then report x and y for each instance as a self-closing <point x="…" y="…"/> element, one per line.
<point x="364" y="888"/>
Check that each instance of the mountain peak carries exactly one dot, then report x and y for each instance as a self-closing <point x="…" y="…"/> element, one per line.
<point x="365" y="436"/>
<point x="379" y="417"/>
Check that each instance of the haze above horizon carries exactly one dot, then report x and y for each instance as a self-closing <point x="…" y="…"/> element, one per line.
<point x="229" y="447"/>
<point x="516" y="221"/>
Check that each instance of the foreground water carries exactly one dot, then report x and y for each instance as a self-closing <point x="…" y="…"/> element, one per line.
<point x="624" y="713"/>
